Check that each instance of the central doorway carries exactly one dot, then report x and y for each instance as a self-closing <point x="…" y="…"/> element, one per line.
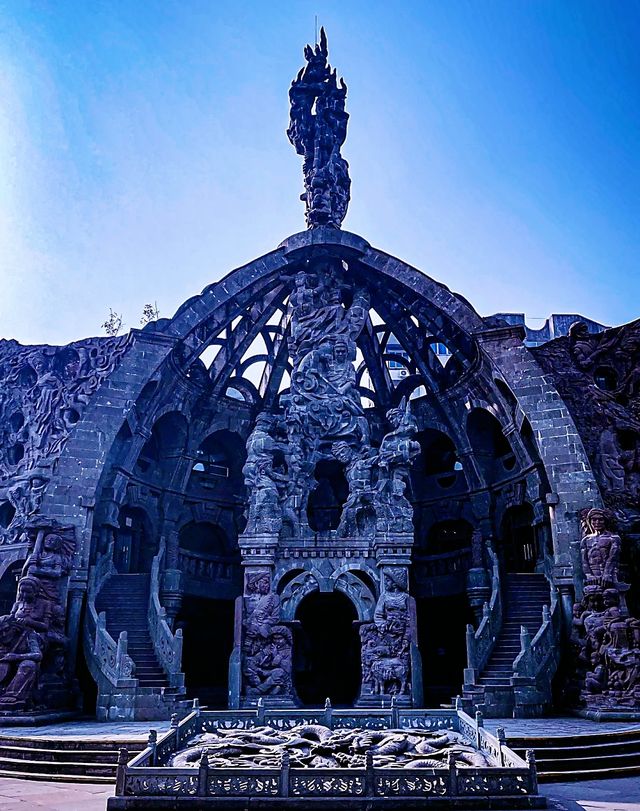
<point x="326" y="653"/>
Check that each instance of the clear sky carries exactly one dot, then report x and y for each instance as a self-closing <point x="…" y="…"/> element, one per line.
<point x="493" y="144"/>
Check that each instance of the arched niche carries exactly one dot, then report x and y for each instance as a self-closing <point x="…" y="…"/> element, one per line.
<point x="219" y="460"/>
<point x="135" y="543"/>
<point x="326" y="650"/>
<point x="7" y="511"/>
<point x="449" y="535"/>
<point x="438" y="462"/>
<point x="328" y="497"/>
<point x="492" y="451"/>
<point x="168" y="441"/>
<point x="204" y="538"/>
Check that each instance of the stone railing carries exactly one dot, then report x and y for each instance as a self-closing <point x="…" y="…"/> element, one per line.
<point x="206" y="567"/>
<point x="456" y="562"/>
<point x="536" y="664"/>
<point x="167" y="646"/>
<point x="481" y="641"/>
<point x="105" y="656"/>
<point x="508" y="780"/>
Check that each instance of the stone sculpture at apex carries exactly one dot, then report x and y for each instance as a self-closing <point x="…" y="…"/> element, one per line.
<point x="605" y="637"/>
<point x="317" y="130"/>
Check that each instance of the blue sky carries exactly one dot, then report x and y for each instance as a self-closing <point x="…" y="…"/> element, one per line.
<point x="494" y="145"/>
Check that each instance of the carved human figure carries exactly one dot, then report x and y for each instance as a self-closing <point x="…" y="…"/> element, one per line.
<point x="262" y="605"/>
<point x="358" y="514"/>
<point x="600" y="549"/>
<point x="31" y="608"/>
<point x="264" y="512"/>
<point x="20" y="658"/>
<point x="266" y="665"/>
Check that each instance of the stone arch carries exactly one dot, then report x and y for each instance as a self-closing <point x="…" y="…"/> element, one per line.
<point x="492" y="450"/>
<point x="180" y="341"/>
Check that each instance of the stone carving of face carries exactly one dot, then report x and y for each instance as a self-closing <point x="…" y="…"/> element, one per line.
<point x="26" y="591"/>
<point x="340" y="352"/>
<point x="597" y="522"/>
<point x="52" y="542"/>
<point x="263" y="585"/>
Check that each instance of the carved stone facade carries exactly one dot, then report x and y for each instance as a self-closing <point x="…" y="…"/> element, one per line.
<point x="288" y="491"/>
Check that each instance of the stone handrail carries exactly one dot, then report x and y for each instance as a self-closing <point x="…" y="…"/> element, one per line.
<point x="481" y="641"/>
<point x="206" y="567"/>
<point x="108" y="657"/>
<point x="447" y="563"/>
<point x="167" y="646"/>
<point x="538" y="657"/>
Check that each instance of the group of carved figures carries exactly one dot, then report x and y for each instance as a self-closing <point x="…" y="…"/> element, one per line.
<point x="314" y="746"/>
<point x="317" y="130"/>
<point x="32" y="635"/>
<point x="324" y="421"/>
<point x="385" y="642"/>
<point x="43" y="395"/>
<point x="606" y="639"/>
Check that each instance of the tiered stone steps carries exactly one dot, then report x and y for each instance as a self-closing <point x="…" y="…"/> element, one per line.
<point x="125" y="599"/>
<point x="523" y="598"/>
<point x="594" y="756"/>
<point x="63" y="759"/>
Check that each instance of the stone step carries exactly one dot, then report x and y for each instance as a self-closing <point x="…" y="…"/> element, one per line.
<point x="58" y="778"/>
<point x="589" y="774"/>
<point x="52" y="767"/>
<point x="109" y="756"/>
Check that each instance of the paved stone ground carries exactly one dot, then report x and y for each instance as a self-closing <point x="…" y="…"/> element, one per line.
<point x="89" y="729"/>
<point x="548" y="727"/>
<point x="27" y="795"/>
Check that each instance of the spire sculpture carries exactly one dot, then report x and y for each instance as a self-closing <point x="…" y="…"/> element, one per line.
<point x="317" y="130"/>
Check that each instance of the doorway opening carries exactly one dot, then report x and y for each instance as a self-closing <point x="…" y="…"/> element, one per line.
<point x="207" y="628"/>
<point x="326" y="651"/>
<point x="442" y="645"/>
<point x="518" y="548"/>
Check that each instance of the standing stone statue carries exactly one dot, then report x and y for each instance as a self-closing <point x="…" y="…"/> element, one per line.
<point x="32" y="639"/>
<point x="606" y="639"/>
<point x="266" y="650"/>
<point x="317" y="130"/>
<point x="386" y="642"/>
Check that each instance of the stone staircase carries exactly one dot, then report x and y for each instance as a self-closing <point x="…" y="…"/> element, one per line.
<point x="125" y="600"/>
<point x="524" y="596"/>
<point x="583" y="757"/>
<point x="63" y="759"/>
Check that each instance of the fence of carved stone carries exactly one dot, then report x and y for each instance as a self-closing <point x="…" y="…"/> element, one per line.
<point x="145" y="775"/>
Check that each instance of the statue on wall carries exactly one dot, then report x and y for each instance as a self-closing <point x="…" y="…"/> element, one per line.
<point x="606" y="639"/>
<point x="32" y="638"/>
<point x="317" y="130"/>
<point x="386" y="642"/>
<point x="262" y="480"/>
<point x="397" y="452"/>
<point x="266" y="649"/>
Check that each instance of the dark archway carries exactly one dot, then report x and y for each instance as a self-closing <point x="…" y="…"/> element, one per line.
<point x="326" y="651"/>
<point x="441" y="638"/>
<point x="204" y="538"/>
<point x="207" y="628"/>
<point x="518" y="547"/>
<point x="491" y="448"/>
<point x="135" y="545"/>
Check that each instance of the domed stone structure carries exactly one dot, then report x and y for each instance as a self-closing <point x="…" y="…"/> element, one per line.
<point x="325" y="476"/>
